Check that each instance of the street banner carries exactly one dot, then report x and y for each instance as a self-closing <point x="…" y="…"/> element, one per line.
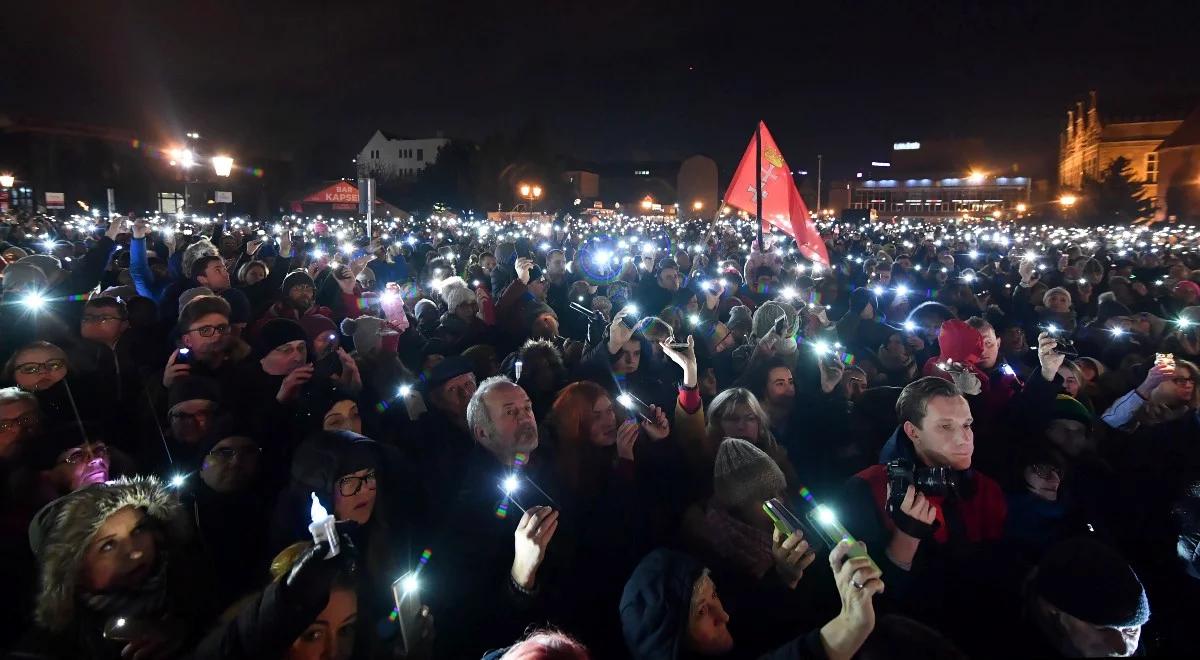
<point x="782" y="205"/>
<point x="223" y="197"/>
<point x="56" y="200"/>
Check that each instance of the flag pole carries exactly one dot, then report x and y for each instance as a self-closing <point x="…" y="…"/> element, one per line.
<point x="758" y="181"/>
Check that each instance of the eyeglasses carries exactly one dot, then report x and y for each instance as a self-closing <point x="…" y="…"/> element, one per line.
<point x="349" y="486"/>
<point x="192" y="418"/>
<point x="35" y="368"/>
<point x="22" y="421"/>
<point x="1183" y="382"/>
<point x="84" y="454"/>
<point x="210" y="330"/>
<point x="91" y="318"/>
<point x="227" y="454"/>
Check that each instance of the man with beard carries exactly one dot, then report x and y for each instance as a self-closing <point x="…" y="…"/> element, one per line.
<point x="504" y="495"/>
<point x="299" y="296"/>
<point x="206" y="346"/>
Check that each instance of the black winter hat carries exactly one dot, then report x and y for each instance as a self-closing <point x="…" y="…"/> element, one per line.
<point x="296" y="278"/>
<point x="190" y="388"/>
<point x="275" y="333"/>
<point x="1090" y="581"/>
<point x="451" y="367"/>
<point x="326" y="456"/>
<point x="1109" y="309"/>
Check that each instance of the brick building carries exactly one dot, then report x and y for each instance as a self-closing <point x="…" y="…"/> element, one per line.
<point x="1090" y="141"/>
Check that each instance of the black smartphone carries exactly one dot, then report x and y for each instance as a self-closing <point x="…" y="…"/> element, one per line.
<point x="635" y="406"/>
<point x="184" y="356"/>
<point x="328" y="365"/>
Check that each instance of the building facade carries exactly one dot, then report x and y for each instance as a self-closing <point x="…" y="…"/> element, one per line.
<point x="932" y="199"/>
<point x="388" y="156"/>
<point x="1179" y="171"/>
<point x="1089" y="143"/>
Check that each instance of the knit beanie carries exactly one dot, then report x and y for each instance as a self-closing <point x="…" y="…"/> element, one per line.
<point x="315" y="325"/>
<point x="743" y="474"/>
<point x="191" y="294"/>
<point x="1067" y="407"/>
<point x="739" y="319"/>
<point x="423" y="305"/>
<point x="297" y="278"/>
<point x="452" y="367"/>
<point x="365" y="331"/>
<point x="1090" y="581"/>
<point x="1189" y="285"/>
<point x="457" y="294"/>
<point x="193" y="388"/>
<point x="276" y="333"/>
<point x="766" y="315"/>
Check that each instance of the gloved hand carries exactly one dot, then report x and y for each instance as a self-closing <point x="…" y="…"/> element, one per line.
<point x="912" y="512"/>
<point x="311" y="578"/>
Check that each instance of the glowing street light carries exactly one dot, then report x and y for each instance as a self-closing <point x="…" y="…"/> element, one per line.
<point x="222" y="165"/>
<point x="697" y="205"/>
<point x="184" y="157"/>
<point x="976" y="177"/>
<point x="1068" y="200"/>
<point x="7" y="180"/>
<point x="1021" y="207"/>
<point x="530" y="192"/>
<point x="647" y="203"/>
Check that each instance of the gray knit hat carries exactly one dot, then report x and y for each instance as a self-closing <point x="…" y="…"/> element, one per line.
<point x="739" y="319"/>
<point x="766" y="315"/>
<point x="744" y="474"/>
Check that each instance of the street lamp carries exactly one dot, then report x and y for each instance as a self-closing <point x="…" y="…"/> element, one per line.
<point x="222" y="165"/>
<point x="7" y="180"/>
<point x="976" y="177"/>
<point x="1068" y="200"/>
<point x="531" y="193"/>
<point x="1021" y="207"/>
<point x="647" y="203"/>
<point x="697" y="205"/>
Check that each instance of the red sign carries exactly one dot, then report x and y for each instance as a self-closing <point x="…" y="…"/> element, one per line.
<point x="341" y="192"/>
<point x="782" y="205"/>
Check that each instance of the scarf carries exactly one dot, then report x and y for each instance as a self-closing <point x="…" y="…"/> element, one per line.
<point x="147" y="600"/>
<point x="745" y="547"/>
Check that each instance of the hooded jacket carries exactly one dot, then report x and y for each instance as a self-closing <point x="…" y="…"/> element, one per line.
<point x="60" y="535"/>
<point x="656" y="605"/>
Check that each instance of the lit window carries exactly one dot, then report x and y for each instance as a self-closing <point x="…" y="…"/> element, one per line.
<point x="1152" y="167"/>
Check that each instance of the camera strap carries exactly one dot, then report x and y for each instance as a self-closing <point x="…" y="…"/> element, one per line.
<point x="909" y="525"/>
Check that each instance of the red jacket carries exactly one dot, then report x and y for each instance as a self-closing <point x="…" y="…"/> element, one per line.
<point x="983" y="513"/>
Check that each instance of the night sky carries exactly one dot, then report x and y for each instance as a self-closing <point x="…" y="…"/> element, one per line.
<point x="610" y="80"/>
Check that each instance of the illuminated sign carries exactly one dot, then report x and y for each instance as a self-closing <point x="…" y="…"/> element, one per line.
<point x="906" y="146"/>
<point x="877" y="163"/>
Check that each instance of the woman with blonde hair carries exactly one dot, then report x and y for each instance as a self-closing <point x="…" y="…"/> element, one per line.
<point x="736" y="413"/>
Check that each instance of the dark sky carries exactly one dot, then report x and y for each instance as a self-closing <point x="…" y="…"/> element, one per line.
<point x="610" y="80"/>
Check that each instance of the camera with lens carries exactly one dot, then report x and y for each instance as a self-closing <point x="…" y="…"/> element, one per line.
<point x="902" y="473"/>
<point x="1063" y="344"/>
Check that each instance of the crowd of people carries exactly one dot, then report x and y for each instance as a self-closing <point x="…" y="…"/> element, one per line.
<point x="596" y="437"/>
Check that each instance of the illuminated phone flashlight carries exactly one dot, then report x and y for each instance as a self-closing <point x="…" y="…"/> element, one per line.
<point x="694" y="319"/>
<point x="1117" y="332"/>
<point x="48" y="244"/>
<point x="821" y="347"/>
<point x="1030" y="256"/>
<point x="631" y="308"/>
<point x="34" y="301"/>
<point x="1052" y="329"/>
<point x="178" y="480"/>
<point x="517" y="368"/>
<point x="511" y="484"/>
<point x="410" y="584"/>
<point x="968" y="277"/>
<point x="910" y="326"/>
<point x="901" y="290"/>
<point x="788" y="293"/>
<point x="405" y="390"/>
<point x="625" y="400"/>
<point x="317" y="254"/>
<point x="347" y="248"/>
<point x="1184" y="323"/>
<point x="1008" y="370"/>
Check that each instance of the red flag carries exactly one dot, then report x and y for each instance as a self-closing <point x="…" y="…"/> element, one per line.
<point x="782" y="205"/>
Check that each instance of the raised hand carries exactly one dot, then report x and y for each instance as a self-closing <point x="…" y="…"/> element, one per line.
<point x="532" y="537"/>
<point x="792" y="555"/>
<point x="660" y="428"/>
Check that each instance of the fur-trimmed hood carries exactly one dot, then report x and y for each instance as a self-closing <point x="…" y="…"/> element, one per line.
<point x="61" y="531"/>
